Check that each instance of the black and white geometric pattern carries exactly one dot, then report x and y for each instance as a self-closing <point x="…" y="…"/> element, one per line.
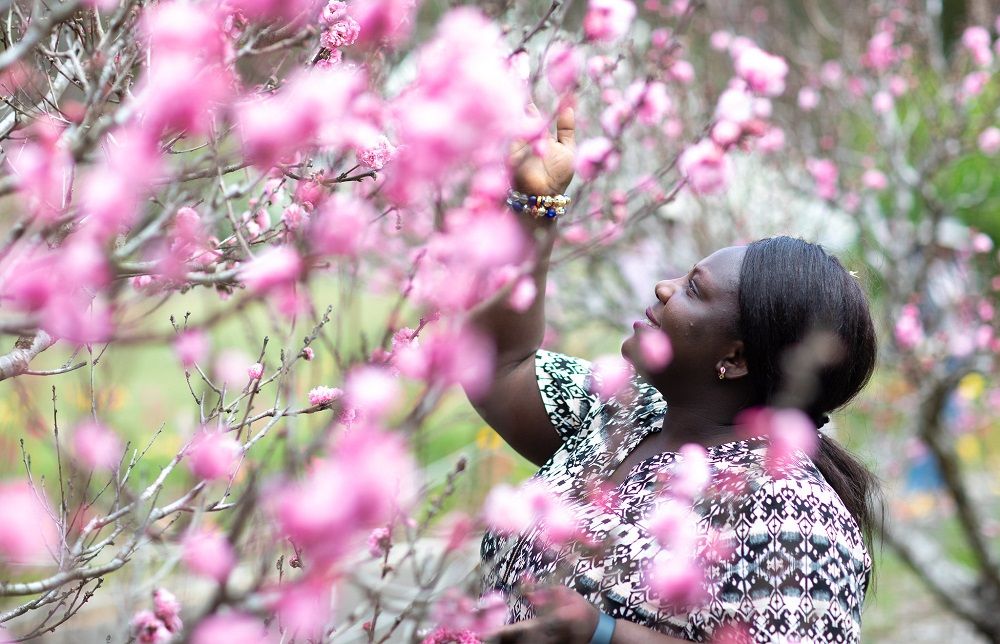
<point x="784" y="561"/>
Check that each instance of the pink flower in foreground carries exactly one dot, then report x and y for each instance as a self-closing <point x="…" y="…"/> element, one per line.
<point x="274" y="267"/>
<point x="149" y="629"/>
<point x="523" y="294"/>
<point x="611" y="375"/>
<point x="167" y="609"/>
<point x="324" y="395"/>
<point x="596" y="156"/>
<point x="191" y="347"/>
<point x="789" y="432"/>
<point x="445" y="635"/>
<point x="563" y="65"/>
<point x="97" y="446"/>
<point x="342" y="33"/>
<point x="808" y="99"/>
<point x="763" y="72"/>
<point x="608" y="20"/>
<point x="706" y="167"/>
<point x="772" y="141"/>
<point x="874" y="180"/>
<point x="304" y="608"/>
<point x="27" y="531"/>
<point x="372" y="391"/>
<point x="682" y="71"/>
<point x="692" y="472"/>
<point x="989" y="141"/>
<point x="386" y="22"/>
<point x="207" y="552"/>
<point x="450" y="356"/>
<point x="655" y="350"/>
<point x="212" y="455"/>
<point x="231" y="627"/>
<point x="340" y="226"/>
<point x="379" y="542"/>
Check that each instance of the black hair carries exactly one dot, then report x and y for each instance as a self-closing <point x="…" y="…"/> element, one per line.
<point x="810" y="343"/>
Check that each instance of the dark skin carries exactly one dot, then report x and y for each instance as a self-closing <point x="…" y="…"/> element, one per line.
<point x="697" y="311"/>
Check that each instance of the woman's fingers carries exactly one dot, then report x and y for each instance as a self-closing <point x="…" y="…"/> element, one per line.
<point x="566" y="127"/>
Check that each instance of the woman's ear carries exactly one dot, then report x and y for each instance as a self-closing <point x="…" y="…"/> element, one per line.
<point x="734" y="363"/>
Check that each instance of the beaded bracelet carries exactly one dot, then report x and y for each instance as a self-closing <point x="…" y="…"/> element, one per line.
<point x="538" y="206"/>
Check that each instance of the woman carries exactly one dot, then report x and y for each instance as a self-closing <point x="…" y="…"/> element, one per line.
<point x="778" y="323"/>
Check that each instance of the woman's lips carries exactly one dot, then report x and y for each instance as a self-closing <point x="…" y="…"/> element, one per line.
<point x="652" y="318"/>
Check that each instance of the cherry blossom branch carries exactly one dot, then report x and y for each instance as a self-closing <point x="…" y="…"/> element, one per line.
<point x="25" y="350"/>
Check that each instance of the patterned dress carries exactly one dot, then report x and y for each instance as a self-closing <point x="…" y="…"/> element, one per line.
<point x="783" y="559"/>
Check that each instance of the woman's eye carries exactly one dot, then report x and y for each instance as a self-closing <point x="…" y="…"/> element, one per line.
<point x="690" y="286"/>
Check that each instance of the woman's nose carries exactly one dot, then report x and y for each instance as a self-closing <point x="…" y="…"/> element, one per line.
<point x="664" y="289"/>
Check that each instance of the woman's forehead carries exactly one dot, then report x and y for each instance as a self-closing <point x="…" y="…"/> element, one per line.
<point x="723" y="266"/>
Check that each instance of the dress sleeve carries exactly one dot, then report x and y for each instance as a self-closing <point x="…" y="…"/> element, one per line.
<point x="565" y="385"/>
<point x="798" y="570"/>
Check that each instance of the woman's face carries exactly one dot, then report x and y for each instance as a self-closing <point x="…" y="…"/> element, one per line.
<point x="698" y="312"/>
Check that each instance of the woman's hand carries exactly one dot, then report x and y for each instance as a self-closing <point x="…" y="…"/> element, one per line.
<point x="564" y="616"/>
<point x="551" y="173"/>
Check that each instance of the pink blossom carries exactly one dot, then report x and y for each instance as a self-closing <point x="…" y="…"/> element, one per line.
<point x="831" y="73"/>
<point x="191" y="347"/>
<point x="719" y="40"/>
<point x="384" y="22"/>
<point x="909" y="331"/>
<point x="976" y="40"/>
<point x="180" y="28"/>
<point x="212" y="455"/>
<point x="692" y="472"/>
<point x="207" y="552"/>
<point x="231" y="627"/>
<point x="149" y="629"/>
<point x="342" y="33"/>
<point x="461" y="613"/>
<point x="608" y="20"/>
<point x="563" y="65"/>
<point x="763" y="72"/>
<point x="825" y="174"/>
<point x="294" y="216"/>
<point x="278" y="266"/>
<point x="255" y="371"/>
<point x="505" y="510"/>
<point x="650" y="101"/>
<point x="181" y="93"/>
<point x="772" y="141"/>
<point x="655" y="350"/>
<point x="981" y="243"/>
<point x="333" y="11"/>
<point x="340" y="225"/>
<point x="376" y="156"/>
<point x="372" y="391"/>
<point x="324" y="395"/>
<point x="681" y="71"/>
<point x="366" y="480"/>
<point x="28" y="532"/>
<point x="43" y="169"/>
<point x="379" y="542"/>
<point x="304" y="608"/>
<point x="881" y="54"/>
<point x="446" y="356"/>
<point x="611" y="375"/>
<point x="808" y="99"/>
<point x="446" y="635"/>
<point x="972" y="85"/>
<point x="97" y="446"/>
<point x="523" y="295"/>
<point x="595" y="156"/>
<point x="874" y="179"/>
<point x="725" y="133"/>
<point x="676" y="577"/>
<point x="735" y="105"/>
<point x="167" y="609"/>
<point x="898" y="85"/>
<point x="790" y="431"/>
<point x="706" y="167"/>
<point x="989" y="141"/>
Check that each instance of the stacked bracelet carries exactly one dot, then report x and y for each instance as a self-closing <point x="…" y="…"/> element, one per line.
<point x="538" y="206"/>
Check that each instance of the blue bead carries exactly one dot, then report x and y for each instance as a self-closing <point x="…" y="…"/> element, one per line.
<point x="550" y="213"/>
<point x="517" y="206"/>
<point x="532" y="200"/>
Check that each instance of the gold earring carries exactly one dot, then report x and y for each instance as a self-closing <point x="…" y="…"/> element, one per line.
<point x="722" y="373"/>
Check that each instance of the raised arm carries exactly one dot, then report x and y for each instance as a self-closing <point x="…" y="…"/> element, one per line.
<point x="513" y="404"/>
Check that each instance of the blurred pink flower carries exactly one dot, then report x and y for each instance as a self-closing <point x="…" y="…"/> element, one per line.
<point x="825" y="173"/>
<point x="340" y="225"/>
<point x="706" y="167"/>
<point x="27" y="531"/>
<point x="505" y="510"/>
<point x="608" y="20"/>
<point x="450" y="356"/>
<point x="44" y="169"/>
<point x="384" y="22"/>
<point x="523" y="295"/>
<point x="97" y="446"/>
<point x="167" y="609"/>
<point x="596" y="156"/>
<point x="874" y="179"/>
<point x="989" y="141"/>
<point x="333" y="11"/>
<point x="808" y="99"/>
<point x="764" y="73"/>
<point x="446" y="635"/>
<point x="735" y="105"/>
<point x="342" y="33"/>
<point x="655" y="350"/>
<point x="379" y="542"/>
<point x="692" y="472"/>
<point x="324" y="395"/>
<point x="976" y="39"/>
<point x="372" y="391"/>
<point x="149" y="629"/>
<point x="185" y="29"/>
<point x="772" y="141"/>
<point x="231" y="627"/>
<point x="881" y="54"/>
<point x="725" y="133"/>
<point x="676" y="577"/>
<point x="908" y="330"/>
<point x="304" y="607"/>
<point x="611" y="375"/>
<point x="276" y="266"/>
<point x="682" y="71"/>
<point x="563" y="65"/>
<point x="212" y="455"/>
<point x="207" y="552"/>
<point x="191" y="347"/>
